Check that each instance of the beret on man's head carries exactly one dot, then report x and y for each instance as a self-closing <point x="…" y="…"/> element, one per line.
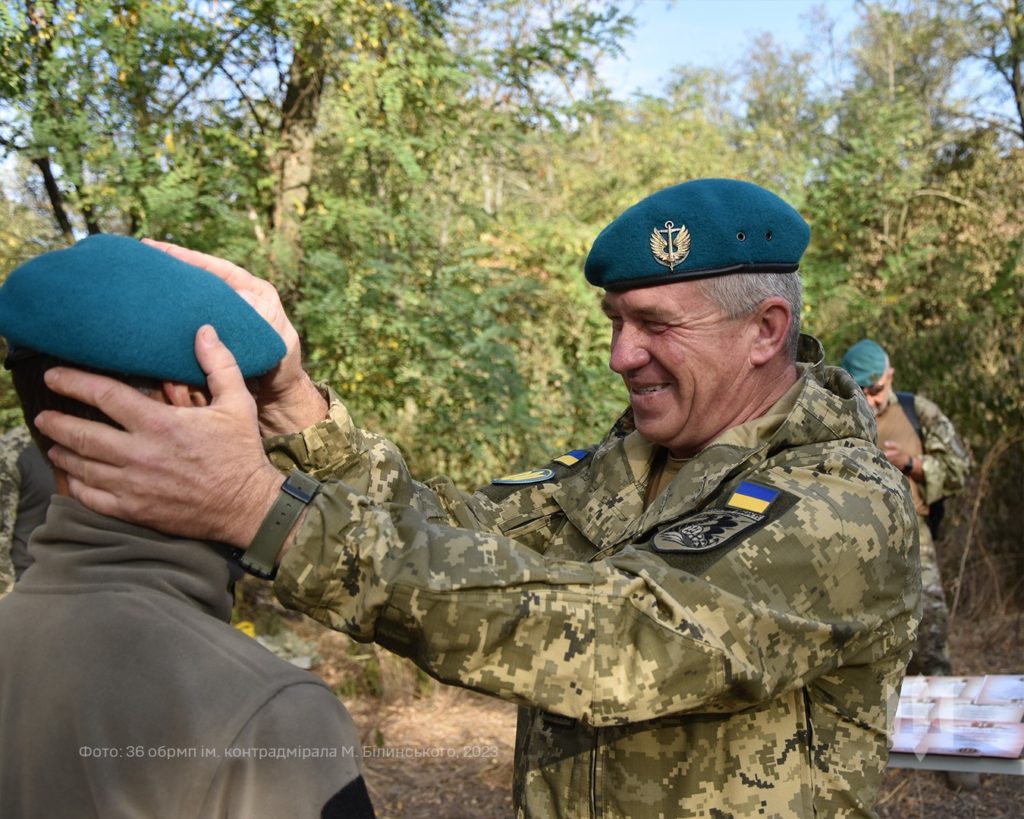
<point x="115" y="304"/>
<point x="866" y="361"/>
<point x="695" y="230"/>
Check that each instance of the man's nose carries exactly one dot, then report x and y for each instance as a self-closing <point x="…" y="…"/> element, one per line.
<point x="628" y="351"/>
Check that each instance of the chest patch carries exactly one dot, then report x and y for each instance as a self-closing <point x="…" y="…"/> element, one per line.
<point x="530" y="476"/>
<point x="570" y="458"/>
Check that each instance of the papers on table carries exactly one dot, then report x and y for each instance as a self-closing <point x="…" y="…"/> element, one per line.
<point x="961" y="716"/>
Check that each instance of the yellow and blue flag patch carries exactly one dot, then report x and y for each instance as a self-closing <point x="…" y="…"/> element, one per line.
<point x="753" y="497"/>
<point x="573" y="456"/>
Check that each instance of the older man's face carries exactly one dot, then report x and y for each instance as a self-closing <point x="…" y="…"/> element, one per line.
<point x="684" y="363"/>
<point x="879" y="392"/>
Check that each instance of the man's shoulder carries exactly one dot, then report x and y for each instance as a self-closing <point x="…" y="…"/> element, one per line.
<point x="246" y="657"/>
<point x="927" y="410"/>
<point x="164" y="628"/>
<point x="830" y="407"/>
<point x="842" y="485"/>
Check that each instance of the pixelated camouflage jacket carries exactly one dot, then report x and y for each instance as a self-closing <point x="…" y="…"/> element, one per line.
<point x="12" y="444"/>
<point x="746" y="666"/>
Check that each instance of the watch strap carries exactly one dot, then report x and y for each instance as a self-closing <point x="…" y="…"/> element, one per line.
<point x="296" y="492"/>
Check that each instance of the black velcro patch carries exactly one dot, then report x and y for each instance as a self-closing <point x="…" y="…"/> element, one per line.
<point x="706" y="530"/>
<point x="700" y="540"/>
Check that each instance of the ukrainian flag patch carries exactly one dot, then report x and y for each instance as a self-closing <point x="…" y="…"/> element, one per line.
<point x="574" y="456"/>
<point x="753" y="497"/>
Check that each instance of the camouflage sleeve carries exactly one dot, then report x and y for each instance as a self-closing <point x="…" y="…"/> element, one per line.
<point x="831" y="581"/>
<point x="946" y="461"/>
<point x="374" y="467"/>
<point x="11" y="446"/>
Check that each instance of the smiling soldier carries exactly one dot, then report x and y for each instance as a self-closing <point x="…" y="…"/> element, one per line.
<point x="705" y="614"/>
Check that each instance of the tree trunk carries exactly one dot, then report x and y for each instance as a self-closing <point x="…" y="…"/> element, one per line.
<point x="60" y="215"/>
<point x="292" y="163"/>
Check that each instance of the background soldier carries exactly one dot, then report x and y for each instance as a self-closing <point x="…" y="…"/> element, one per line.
<point x="922" y="443"/>
<point x="709" y="611"/>
<point x="26" y="484"/>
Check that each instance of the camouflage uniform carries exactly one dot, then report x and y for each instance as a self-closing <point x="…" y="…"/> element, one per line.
<point x="691" y="659"/>
<point x="26" y="485"/>
<point x="11" y="446"/>
<point x="945" y="463"/>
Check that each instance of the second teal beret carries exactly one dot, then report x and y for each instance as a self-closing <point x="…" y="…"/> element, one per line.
<point x="866" y="361"/>
<point x="698" y="229"/>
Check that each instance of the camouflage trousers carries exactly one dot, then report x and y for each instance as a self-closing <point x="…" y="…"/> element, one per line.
<point x="11" y="445"/>
<point x="931" y="651"/>
<point x="6" y="572"/>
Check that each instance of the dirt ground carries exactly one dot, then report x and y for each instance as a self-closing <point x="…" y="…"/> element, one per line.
<point x="436" y="752"/>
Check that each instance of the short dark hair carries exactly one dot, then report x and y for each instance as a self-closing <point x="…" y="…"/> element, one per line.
<point x="27" y="369"/>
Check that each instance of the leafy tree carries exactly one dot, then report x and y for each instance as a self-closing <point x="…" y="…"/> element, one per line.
<point x="995" y="32"/>
<point x="422" y="179"/>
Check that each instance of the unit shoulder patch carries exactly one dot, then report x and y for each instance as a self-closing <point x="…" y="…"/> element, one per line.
<point x="749" y="507"/>
<point x="706" y="530"/>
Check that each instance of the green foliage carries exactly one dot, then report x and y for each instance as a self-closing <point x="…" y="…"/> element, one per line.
<point x="422" y="180"/>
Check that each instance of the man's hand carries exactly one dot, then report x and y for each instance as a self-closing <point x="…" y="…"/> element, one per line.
<point x="288" y="401"/>
<point x="196" y="472"/>
<point x="902" y="459"/>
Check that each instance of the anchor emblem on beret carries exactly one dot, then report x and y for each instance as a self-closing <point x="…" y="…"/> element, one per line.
<point x="670" y="246"/>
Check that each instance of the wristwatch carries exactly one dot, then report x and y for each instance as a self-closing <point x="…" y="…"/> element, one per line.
<point x="260" y="558"/>
<point x="908" y="467"/>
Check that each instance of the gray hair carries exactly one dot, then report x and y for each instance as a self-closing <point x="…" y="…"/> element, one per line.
<point x="740" y="294"/>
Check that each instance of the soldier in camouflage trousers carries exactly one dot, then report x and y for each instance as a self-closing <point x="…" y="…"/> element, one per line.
<point x="922" y="442"/>
<point x="10" y="448"/>
<point x="709" y="613"/>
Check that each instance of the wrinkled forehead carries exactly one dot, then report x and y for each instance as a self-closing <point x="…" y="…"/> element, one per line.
<point x="675" y="300"/>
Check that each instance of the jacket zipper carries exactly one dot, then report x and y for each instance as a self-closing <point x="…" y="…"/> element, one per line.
<point x="593" y="775"/>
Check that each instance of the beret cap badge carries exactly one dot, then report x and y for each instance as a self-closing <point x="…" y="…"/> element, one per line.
<point x="695" y="230"/>
<point x="670" y="246"/>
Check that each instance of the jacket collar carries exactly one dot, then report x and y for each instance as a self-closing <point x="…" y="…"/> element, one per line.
<point x="605" y="501"/>
<point x="82" y="551"/>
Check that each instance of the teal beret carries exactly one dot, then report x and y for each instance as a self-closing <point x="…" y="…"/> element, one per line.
<point x="115" y="304"/>
<point x="698" y="229"/>
<point x="866" y="361"/>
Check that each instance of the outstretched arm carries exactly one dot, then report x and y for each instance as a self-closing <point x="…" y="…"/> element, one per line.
<point x="197" y="472"/>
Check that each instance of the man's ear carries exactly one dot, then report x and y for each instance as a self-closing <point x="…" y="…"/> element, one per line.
<point x="771" y="322"/>
<point x="184" y="395"/>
